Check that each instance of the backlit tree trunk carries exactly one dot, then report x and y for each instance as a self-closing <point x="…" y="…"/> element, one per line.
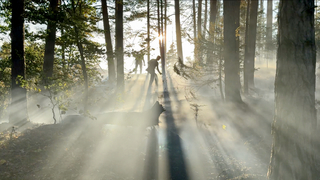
<point x="148" y="29"/>
<point x="119" y="46"/>
<point x="231" y="14"/>
<point x="178" y="29"/>
<point x="165" y="26"/>
<point x="199" y="33"/>
<point x="269" y="26"/>
<point x="18" y="108"/>
<point x="205" y="18"/>
<point x="199" y="17"/>
<point x="194" y="27"/>
<point x="213" y="14"/>
<point x="250" y="46"/>
<point x="107" y="34"/>
<point x="295" y="122"/>
<point x="50" y="40"/>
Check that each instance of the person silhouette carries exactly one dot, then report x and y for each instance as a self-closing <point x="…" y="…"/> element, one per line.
<point x="152" y="65"/>
<point x="139" y="60"/>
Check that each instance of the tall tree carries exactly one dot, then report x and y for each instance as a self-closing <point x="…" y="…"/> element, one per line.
<point x="269" y="26"/>
<point x="79" y="42"/>
<point x="231" y="14"/>
<point x="159" y="26"/>
<point x="18" y="107"/>
<point x="194" y="27"/>
<point x="295" y="122"/>
<point x="199" y="33"/>
<point x="108" y="40"/>
<point x="199" y="23"/>
<point x="250" y="46"/>
<point x="213" y="14"/>
<point x="148" y="29"/>
<point x="165" y="25"/>
<point x="205" y="18"/>
<point x="50" y="39"/>
<point x="261" y="27"/>
<point x="178" y="29"/>
<point x="163" y="50"/>
<point x="119" y="45"/>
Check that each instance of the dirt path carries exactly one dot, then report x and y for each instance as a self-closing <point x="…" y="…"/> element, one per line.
<point x="226" y="143"/>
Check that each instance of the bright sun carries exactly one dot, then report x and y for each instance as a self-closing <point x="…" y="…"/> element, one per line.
<point x="159" y="38"/>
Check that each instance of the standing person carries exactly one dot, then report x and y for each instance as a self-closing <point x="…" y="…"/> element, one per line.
<point x="152" y="65"/>
<point x="139" y="59"/>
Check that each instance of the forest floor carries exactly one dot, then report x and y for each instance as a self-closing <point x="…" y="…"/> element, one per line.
<point x="199" y="137"/>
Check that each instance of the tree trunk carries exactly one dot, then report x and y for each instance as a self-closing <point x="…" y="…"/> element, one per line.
<point x="213" y="14"/>
<point x="250" y="46"/>
<point x="84" y="69"/>
<point x="245" y="81"/>
<point x="199" y="35"/>
<point x="148" y="29"/>
<point x="107" y="34"/>
<point x="63" y="56"/>
<point x="220" y="71"/>
<point x="163" y="53"/>
<point x="83" y="62"/>
<point x="231" y="13"/>
<point x="160" y="29"/>
<point x="165" y="26"/>
<point x="18" y="108"/>
<point x="159" y="26"/>
<point x="260" y="33"/>
<point x="50" y="40"/>
<point x="269" y="26"/>
<point x="194" y="27"/>
<point x="161" y="18"/>
<point x="295" y="122"/>
<point x="199" y="17"/>
<point x="119" y="46"/>
<point x="205" y="18"/>
<point x="178" y="29"/>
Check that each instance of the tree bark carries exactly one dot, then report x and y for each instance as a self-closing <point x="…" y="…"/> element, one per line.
<point x="245" y="81"/>
<point x="18" y="108"/>
<point x="213" y="14"/>
<point x="163" y="53"/>
<point x="205" y="18"/>
<point x="260" y="34"/>
<point x="159" y="26"/>
<point x="165" y="26"/>
<point x="194" y="27"/>
<point x="199" y="18"/>
<point x="148" y="29"/>
<point x="269" y="26"/>
<point x="231" y="13"/>
<point x="199" y="34"/>
<point x="107" y="34"/>
<point x="250" y="47"/>
<point x="50" y="40"/>
<point x="119" y="46"/>
<point x="63" y="55"/>
<point x="178" y="29"/>
<point x="295" y="122"/>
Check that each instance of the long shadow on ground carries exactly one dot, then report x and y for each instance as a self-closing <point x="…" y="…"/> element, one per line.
<point x="176" y="162"/>
<point x="152" y="151"/>
<point x="177" y="165"/>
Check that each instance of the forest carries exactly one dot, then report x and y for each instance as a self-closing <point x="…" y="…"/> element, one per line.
<point x="159" y="89"/>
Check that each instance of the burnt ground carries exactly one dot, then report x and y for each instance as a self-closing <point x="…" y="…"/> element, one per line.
<point x="219" y="141"/>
